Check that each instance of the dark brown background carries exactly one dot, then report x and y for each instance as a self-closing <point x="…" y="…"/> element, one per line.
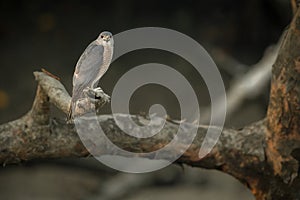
<point x="53" y="34"/>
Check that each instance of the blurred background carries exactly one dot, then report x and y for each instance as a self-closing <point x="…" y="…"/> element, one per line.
<point x="53" y="34"/>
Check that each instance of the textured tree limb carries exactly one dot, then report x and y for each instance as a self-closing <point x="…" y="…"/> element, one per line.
<point x="295" y="5"/>
<point x="57" y="130"/>
<point x="34" y="136"/>
<point x="283" y="117"/>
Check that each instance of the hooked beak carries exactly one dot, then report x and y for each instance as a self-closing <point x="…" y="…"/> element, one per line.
<point x="106" y="38"/>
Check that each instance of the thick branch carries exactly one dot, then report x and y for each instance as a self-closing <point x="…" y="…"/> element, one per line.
<point x="235" y="153"/>
<point x="56" y="92"/>
<point x="284" y="107"/>
<point x="281" y="179"/>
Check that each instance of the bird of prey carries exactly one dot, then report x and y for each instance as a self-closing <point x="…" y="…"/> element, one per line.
<point x="91" y="66"/>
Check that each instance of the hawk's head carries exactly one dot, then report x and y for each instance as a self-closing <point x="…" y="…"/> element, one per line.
<point x="105" y="38"/>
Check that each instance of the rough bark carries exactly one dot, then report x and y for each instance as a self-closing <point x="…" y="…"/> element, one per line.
<point x="37" y="136"/>
<point x="283" y="118"/>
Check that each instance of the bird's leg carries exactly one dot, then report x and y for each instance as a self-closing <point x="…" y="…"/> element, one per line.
<point x="81" y="106"/>
<point x="87" y="93"/>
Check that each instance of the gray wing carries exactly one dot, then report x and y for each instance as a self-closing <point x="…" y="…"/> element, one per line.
<point x="86" y="72"/>
<point x="87" y="69"/>
<point x="88" y="64"/>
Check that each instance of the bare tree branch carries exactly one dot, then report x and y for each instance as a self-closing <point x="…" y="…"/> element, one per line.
<point x="23" y="140"/>
<point x="56" y="92"/>
<point x="283" y="118"/>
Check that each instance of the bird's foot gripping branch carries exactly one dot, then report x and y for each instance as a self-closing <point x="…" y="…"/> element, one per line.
<point x="94" y="99"/>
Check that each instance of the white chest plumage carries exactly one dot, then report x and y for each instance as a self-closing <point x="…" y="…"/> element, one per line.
<point x="107" y="56"/>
